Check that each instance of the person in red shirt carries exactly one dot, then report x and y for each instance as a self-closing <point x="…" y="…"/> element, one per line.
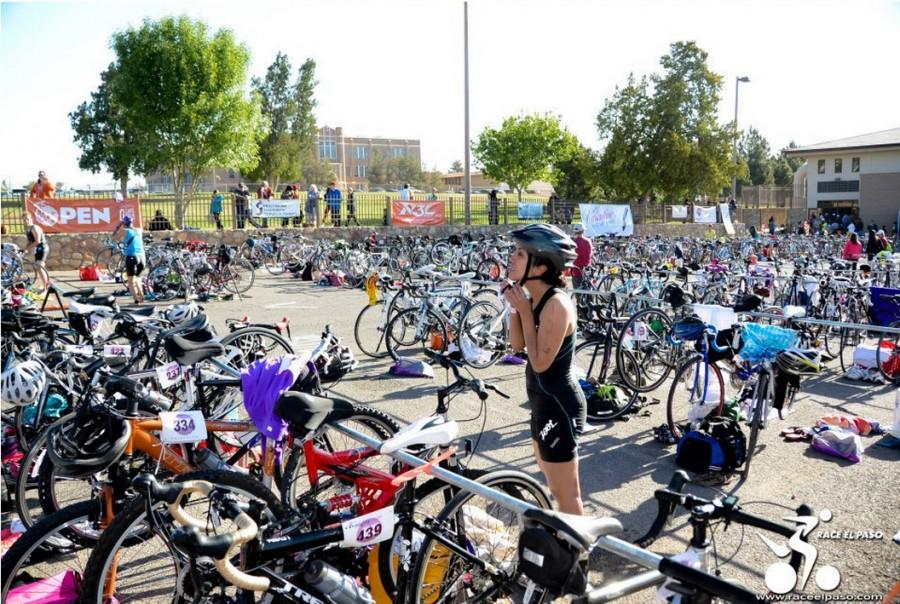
<point x="584" y="250"/>
<point x="853" y="249"/>
<point x="43" y="188"/>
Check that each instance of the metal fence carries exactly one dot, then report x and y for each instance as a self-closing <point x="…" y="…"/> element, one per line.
<point x="771" y="196"/>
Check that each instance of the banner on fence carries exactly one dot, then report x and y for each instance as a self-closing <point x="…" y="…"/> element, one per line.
<point x="82" y="215"/>
<point x="417" y="213"/>
<point x="679" y="211"/>
<point x="531" y="211"/>
<point x="604" y="219"/>
<point x="706" y="215"/>
<point x="275" y="208"/>
<point x="726" y="218"/>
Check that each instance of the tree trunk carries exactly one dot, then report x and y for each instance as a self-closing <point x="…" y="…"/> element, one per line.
<point x="123" y="184"/>
<point x="519" y="191"/>
<point x="178" y="185"/>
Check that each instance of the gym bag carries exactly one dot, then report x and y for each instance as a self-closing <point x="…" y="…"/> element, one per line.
<point x="718" y="446"/>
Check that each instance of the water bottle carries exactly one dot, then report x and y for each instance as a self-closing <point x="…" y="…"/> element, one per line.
<point x="209" y="460"/>
<point x="336" y="585"/>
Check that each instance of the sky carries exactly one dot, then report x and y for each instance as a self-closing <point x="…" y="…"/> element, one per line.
<point x="818" y="69"/>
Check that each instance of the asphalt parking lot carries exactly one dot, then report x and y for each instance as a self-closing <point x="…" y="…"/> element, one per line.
<point x="621" y="464"/>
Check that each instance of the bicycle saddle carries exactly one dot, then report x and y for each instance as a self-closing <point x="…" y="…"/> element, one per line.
<point x="75" y="293"/>
<point x="140" y="312"/>
<point x="580" y="530"/>
<point x="81" y="308"/>
<point x="430" y="431"/>
<point x="188" y="353"/>
<point x="306" y="412"/>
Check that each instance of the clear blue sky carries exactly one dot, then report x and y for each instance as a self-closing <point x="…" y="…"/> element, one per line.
<point x="819" y="69"/>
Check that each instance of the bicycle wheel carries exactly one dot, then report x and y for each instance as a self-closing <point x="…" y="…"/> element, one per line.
<point x="238" y="276"/>
<point x="255" y="341"/>
<point x="273" y="263"/>
<point x="368" y="331"/>
<point x="693" y="395"/>
<point x="410" y="333"/>
<point x="589" y="359"/>
<point x="490" y="270"/>
<point x="59" y="542"/>
<point x="152" y="569"/>
<point x="887" y="355"/>
<point x="482" y="335"/>
<point x="757" y="422"/>
<point x="28" y="505"/>
<point x="646" y="336"/>
<point x="850" y="340"/>
<point x="295" y="484"/>
<point x="484" y="529"/>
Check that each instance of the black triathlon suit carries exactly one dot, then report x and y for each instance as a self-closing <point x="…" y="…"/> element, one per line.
<point x="41" y="250"/>
<point x="558" y="406"/>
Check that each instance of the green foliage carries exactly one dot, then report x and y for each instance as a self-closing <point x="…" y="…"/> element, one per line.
<point x="662" y="136"/>
<point x="182" y="94"/>
<point x="319" y="173"/>
<point x="457" y="166"/>
<point x="754" y="149"/>
<point x="381" y="170"/>
<point x="576" y="175"/>
<point x="523" y="149"/>
<point x="106" y="143"/>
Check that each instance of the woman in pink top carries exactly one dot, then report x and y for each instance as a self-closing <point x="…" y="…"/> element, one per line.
<point x="853" y="248"/>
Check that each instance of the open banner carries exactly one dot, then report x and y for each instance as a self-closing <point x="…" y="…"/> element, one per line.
<point x="530" y="211"/>
<point x="679" y="212"/>
<point x="606" y="219"/>
<point x="82" y="215"/>
<point x="417" y="213"/>
<point x="705" y="215"/>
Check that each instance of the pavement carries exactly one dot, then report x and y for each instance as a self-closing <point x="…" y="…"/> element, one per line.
<point x="621" y="465"/>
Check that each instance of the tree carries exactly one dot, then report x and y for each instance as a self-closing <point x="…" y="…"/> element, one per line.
<point x="182" y="91"/>
<point x="661" y="134"/>
<point x="106" y="143"/>
<point x="431" y="179"/>
<point x="408" y="169"/>
<point x="456" y="166"/>
<point x="279" y="157"/>
<point x="381" y="170"/>
<point x="575" y="176"/>
<point x="754" y="148"/>
<point x="523" y="149"/>
<point x="315" y="172"/>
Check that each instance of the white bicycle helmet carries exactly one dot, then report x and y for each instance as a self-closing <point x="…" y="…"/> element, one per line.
<point x="23" y="383"/>
<point x="796" y="361"/>
<point x="181" y="313"/>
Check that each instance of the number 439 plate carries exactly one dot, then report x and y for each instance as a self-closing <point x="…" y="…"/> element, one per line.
<point x="368" y="529"/>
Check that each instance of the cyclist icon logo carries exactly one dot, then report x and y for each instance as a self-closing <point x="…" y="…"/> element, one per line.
<point x="781" y="577"/>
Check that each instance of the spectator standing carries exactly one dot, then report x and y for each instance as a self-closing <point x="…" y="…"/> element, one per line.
<point x="433" y="196"/>
<point x="241" y="197"/>
<point x="37" y="240"/>
<point x="288" y="193"/>
<point x="771" y="225"/>
<point x="134" y="258"/>
<point x="405" y="193"/>
<point x="264" y="194"/>
<point x="215" y="208"/>
<point x="493" y="207"/>
<point x="853" y="249"/>
<point x="351" y="207"/>
<point x="873" y="246"/>
<point x="160" y="222"/>
<point x="312" y="206"/>
<point x="883" y="241"/>
<point x="297" y="220"/>
<point x="43" y="188"/>
<point x="584" y="253"/>
<point x="333" y="199"/>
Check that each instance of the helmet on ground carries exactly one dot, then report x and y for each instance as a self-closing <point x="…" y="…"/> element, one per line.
<point x="796" y="361"/>
<point x="87" y="443"/>
<point x="23" y="383"/>
<point x="180" y="313"/>
<point x="547" y="242"/>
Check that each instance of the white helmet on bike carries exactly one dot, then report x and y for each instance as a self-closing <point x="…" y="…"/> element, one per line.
<point x="181" y="313"/>
<point x="23" y="383"/>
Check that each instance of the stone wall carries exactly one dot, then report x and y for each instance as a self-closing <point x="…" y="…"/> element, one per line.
<point x="68" y="252"/>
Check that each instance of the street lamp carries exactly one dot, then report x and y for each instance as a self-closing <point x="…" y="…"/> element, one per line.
<point x="737" y="83"/>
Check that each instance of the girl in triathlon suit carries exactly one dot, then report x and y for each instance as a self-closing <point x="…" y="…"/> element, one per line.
<point x="36" y="238"/>
<point x="544" y="322"/>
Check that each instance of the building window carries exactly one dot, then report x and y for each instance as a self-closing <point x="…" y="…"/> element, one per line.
<point x="362" y="153"/>
<point x="399" y="151"/>
<point x="838" y="166"/>
<point x="854" y="164"/>
<point x="821" y="166"/>
<point x="327" y="149"/>
<point x="838" y="186"/>
<point x="360" y="171"/>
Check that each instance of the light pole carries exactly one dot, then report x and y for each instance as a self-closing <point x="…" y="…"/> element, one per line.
<point x="737" y="83"/>
<point x="467" y="173"/>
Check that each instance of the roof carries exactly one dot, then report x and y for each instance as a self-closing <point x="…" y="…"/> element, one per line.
<point x="873" y="140"/>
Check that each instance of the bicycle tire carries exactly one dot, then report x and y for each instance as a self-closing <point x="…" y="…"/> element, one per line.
<point x="659" y="349"/>
<point x="596" y="348"/>
<point x="683" y="373"/>
<point x="236" y="281"/>
<point x="109" y="546"/>
<point x="382" y="424"/>
<point x="48" y="539"/>
<point x="28" y="472"/>
<point x="248" y="340"/>
<point x="511" y="482"/>
<point x="407" y="320"/>
<point x="376" y="351"/>
<point x="479" y="333"/>
<point x="758" y="419"/>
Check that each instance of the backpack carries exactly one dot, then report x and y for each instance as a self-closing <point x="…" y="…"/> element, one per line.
<point x="718" y="446"/>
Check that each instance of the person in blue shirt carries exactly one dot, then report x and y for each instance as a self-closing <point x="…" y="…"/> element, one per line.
<point x="215" y="208"/>
<point x="333" y="199"/>
<point x="134" y="258"/>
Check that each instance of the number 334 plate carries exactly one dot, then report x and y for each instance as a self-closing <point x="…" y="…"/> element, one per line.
<point x="372" y="528"/>
<point x="182" y="427"/>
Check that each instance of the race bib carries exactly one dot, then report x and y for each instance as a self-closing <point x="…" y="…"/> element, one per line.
<point x="640" y="332"/>
<point x="169" y="374"/>
<point x="80" y="349"/>
<point x="117" y="350"/>
<point x="182" y="427"/>
<point x="371" y="528"/>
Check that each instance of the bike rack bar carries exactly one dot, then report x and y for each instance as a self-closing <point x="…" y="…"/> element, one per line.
<point x="623" y="587"/>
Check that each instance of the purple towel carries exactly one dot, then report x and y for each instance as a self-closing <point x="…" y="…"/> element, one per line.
<point x="263" y="383"/>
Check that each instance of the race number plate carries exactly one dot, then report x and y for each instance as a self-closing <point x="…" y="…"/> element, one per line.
<point x="372" y="528"/>
<point x="169" y="374"/>
<point x="117" y="350"/>
<point x="182" y="427"/>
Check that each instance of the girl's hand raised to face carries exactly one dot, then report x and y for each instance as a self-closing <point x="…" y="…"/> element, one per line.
<point x="516" y="297"/>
